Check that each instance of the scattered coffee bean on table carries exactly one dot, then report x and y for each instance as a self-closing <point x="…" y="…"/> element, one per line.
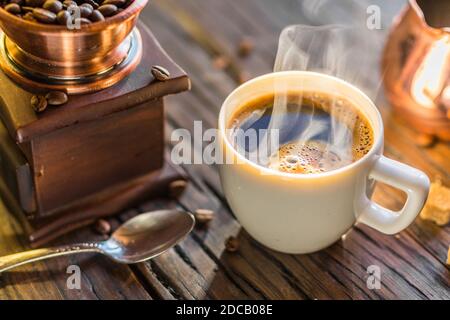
<point x="102" y="227"/>
<point x="221" y="62"/>
<point x="39" y="103"/>
<point x="56" y="98"/>
<point x="203" y="216"/>
<point x="232" y="244"/>
<point x="176" y="188"/>
<point x="245" y="47"/>
<point x="160" y="73"/>
<point x="64" y="12"/>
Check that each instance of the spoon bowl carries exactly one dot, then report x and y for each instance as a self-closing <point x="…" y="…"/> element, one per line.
<point x="148" y="235"/>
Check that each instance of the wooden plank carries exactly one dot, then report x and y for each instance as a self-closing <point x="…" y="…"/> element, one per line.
<point x="100" y="278"/>
<point x="187" y="271"/>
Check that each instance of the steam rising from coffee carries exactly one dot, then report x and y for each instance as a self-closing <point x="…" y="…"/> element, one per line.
<point x="329" y="50"/>
<point x="335" y="50"/>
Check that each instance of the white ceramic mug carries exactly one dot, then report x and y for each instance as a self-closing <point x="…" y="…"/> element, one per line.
<point x="296" y="213"/>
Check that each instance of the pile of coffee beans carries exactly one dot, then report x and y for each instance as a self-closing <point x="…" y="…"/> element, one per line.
<point x="65" y="11"/>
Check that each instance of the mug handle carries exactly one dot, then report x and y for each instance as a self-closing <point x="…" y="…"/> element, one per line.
<point x="413" y="182"/>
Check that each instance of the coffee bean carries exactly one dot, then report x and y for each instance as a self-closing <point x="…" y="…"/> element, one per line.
<point x="34" y="3"/>
<point x="39" y="103"/>
<point x="221" y="62"/>
<point x="108" y="10"/>
<point x="232" y="244"/>
<point x="44" y="16"/>
<point x="203" y="216"/>
<point x="13" y="8"/>
<point x="50" y="11"/>
<point x="117" y="3"/>
<point x="96" y="16"/>
<point x="54" y="6"/>
<point x="176" y="188"/>
<point x="85" y="11"/>
<point x="56" y="98"/>
<point x="245" y="47"/>
<point x="160" y="73"/>
<point x="63" y="18"/>
<point x="69" y="3"/>
<point x="102" y="227"/>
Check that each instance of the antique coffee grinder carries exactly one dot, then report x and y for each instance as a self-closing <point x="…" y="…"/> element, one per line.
<point x="102" y="150"/>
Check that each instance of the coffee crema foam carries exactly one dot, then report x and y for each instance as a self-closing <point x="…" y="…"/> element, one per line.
<point x="319" y="132"/>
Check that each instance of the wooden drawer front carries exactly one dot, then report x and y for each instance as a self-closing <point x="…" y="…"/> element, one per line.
<point x="81" y="160"/>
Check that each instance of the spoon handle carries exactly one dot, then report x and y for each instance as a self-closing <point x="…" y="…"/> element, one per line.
<point x="18" y="259"/>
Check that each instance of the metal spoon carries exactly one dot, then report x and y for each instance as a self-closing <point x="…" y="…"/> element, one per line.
<point x="141" y="238"/>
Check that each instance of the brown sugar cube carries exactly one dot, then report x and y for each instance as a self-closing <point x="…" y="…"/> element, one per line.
<point x="437" y="208"/>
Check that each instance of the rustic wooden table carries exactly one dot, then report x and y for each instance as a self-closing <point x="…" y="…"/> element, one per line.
<point x="195" y="33"/>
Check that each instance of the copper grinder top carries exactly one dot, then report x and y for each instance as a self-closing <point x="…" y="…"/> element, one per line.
<point x="51" y="57"/>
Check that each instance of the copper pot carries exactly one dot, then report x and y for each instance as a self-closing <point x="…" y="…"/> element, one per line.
<point x="416" y="66"/>
<point x="47" y="54"/>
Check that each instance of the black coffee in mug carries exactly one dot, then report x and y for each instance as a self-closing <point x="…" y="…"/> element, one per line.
<point x="317" y="132"/>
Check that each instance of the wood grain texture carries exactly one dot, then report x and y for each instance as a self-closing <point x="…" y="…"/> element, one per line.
<point x="194" y="33"/>
<point x="47" y="280"/>
<point x="122" y="147"/>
